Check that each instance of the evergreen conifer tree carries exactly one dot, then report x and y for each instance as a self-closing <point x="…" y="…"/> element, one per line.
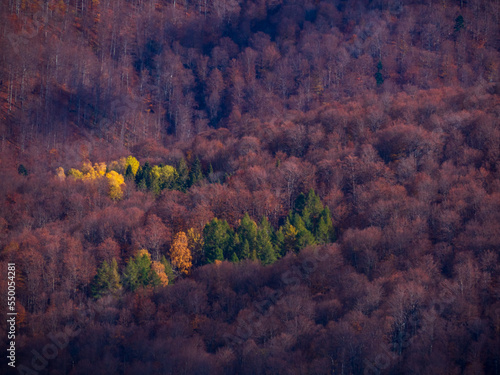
<point x="218" y="237"/>
<point x="182" y="175"/>
<point x="195" y="174"/>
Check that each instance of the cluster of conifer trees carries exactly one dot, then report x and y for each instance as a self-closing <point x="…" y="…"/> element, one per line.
<point x="308" y="224"/>
<point x="139" y="272"/>
<point x="159" y="177"/>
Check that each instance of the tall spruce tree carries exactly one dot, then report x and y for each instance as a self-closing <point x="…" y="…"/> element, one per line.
<point x="312" y="211"/>
<point x="304" y="236"/>
<point x="325" y="231"/>
<point x="278" y="240"/>
<point x="246" y="253"/>
<point x="143" y="177"/>
<point x="218" y="240"/>
<point x="289" y="238"/>
<point x="263" y="245"/>
<point x="106" y="281"/>
<point x="129" y="174"/>
<point x="195" y="173"/>
<point x="247" y="230"/>
<point x="182" y="175"/>
<point x="138" y="271"/>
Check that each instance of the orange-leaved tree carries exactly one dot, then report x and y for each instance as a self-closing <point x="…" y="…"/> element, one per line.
<point x="180" y="254"/>
<point x="159" y="270"/>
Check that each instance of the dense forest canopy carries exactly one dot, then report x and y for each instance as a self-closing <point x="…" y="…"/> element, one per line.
<point x="251" y="186"/>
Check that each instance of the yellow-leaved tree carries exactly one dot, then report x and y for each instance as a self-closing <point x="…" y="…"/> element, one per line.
<point x="95" y="172"/>
<point x="162" y="178"/>
<point x="87" y="168"/>
<point x="100" y="168"/>
<point x="122" y="165"/>
<point x="180" y="255"/>
<point x="75" y="173"/>
<point x="88" y="171"/>
<point x="91" y="172"/>
<point x="134" y="164"/>
<point x="143" y="252"/>
<point x="115" y="180"/>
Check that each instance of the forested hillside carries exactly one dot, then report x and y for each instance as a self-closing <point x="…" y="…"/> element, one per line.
<point x="251" y="186"/>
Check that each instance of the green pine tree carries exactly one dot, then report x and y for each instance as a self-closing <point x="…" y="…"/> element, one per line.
<point x="264" y="247"/>
<point x="304" y="236"/>
<point x="143" y="177"/>
<point x="168" y="269"/>
<point x="218" y="237"/>
<point x="325" y="232"/>
<point x="146" y="169"/>
<point x="236" y="245"/>
<point x="130" y="276"/>
<point x="245" y="250"/>
<point x="182" y="175"/>
<point x="312" y="210"/>
<point x="278" y="240"/>
<point x="459" y="23"/>
<point x="129" y="174"/>
<point x="100" y="284"/>
<point x="114" y="284"/>
<point x="300" y="203"/>
<point x="106" y="281"/>
<point x="247" y="230"/>
<point x="195" y="174"/>
<point x="290" y="243"/>
<point x="307" y="218"/>
<point x="155" y="184"/>
<point x="322" y="232"/>
<point x="138" y="271"/>
<point x="266" y="225"/>
<point x="144" y="269"/>
<point x="22" y="170"/>
<point x="153" y="280"/>
<point x="254" y="255"/>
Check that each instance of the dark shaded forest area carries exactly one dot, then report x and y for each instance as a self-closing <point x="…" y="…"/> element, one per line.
<point x="251" y="187"/>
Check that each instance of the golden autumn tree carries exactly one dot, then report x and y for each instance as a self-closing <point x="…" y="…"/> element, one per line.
<point x="87" y="168"/>
<point x="133" y="163"/>
<point x="75" y="173"/>
<point x="89" y="172"/>
<point x="122" y="165"/>
<point x="115" y="180"/>
<point x="180" y="254"/>
<point x="100" y="169"/>
<point x="159" y="269"/>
